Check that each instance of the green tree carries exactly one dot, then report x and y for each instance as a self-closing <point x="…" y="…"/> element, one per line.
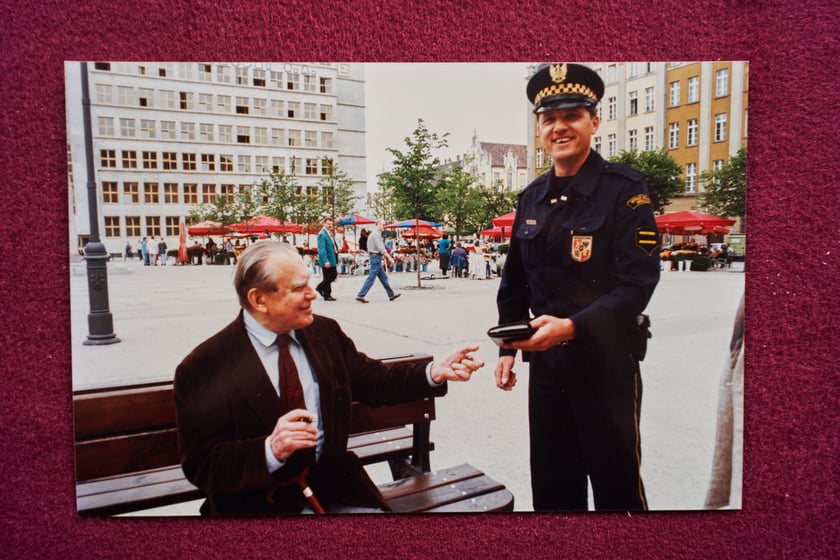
<point x="459" y="200"/>
<point x="278" y="195"/>
<point x="725" y="189"/>
<point x="496" y="201"/>
<point x="223" y="210"/>
<point x="337" y="192"/>
<point x="662" y="174"/>
<point x="411" y="183"/>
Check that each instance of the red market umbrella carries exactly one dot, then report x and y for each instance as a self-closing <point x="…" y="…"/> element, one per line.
<point x="182" y="243"/>
<point x="505" y="220"/>
<point x="689" y="222"/>
<point x="266" y="224"/>
<point x="423" y="232"/>
<point x="493" y="232"/>
<point x="205" y="228"/>
<point x="413" y="224"/>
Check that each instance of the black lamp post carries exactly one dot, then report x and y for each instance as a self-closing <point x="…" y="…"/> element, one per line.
<point x="100" y="320"/>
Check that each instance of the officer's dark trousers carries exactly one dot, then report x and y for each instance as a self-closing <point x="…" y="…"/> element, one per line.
<point x="584" y="416"/>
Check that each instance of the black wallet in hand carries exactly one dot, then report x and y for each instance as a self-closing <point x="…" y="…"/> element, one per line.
<point x="511" y="331"/>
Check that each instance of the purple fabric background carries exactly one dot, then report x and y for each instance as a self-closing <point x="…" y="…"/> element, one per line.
<point x="791" y="453"/>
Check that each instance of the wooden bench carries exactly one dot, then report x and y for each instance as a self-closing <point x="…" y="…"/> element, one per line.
<point x="127" y="454"/>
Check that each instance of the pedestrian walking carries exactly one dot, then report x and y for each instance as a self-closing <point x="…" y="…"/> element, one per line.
<point x="583" y="261"/>
<point x="327" y="259"/>
<point x="377" y="253"/>
<point x="162" y="251"/>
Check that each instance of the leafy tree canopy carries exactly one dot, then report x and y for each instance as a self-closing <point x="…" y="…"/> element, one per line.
<point x="662" y="174"/>
<point x="725" y="189"/>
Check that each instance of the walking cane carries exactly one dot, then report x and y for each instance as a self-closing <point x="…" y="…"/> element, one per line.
<point x="300" y="480"/>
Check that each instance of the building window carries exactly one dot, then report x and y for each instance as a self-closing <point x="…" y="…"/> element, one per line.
<point x="205" y="72"/>
<point x="278" y="165"/>
<point x="208" y="193"/>
<point x="188" y="162"/>
<point x="125" y="95"/>
<point x="167" y="130"/>
<point x="208" y="162"/>
<point x="293" y="81"/>
<point x="205" y="102"/>
<point x="145" y="97"/>
<point x="293" y="109"/>
<point x="172" y="226"/>
<point x="694" y="89"/>
<point x="167" y="99"/>
<point x="310" y="84"/>
<point x="243" y="134"/>
<point x="310" y="139"/>
<point x="242" y="106"/>
<point x="104" y="94"/>
<point x="225" y="163"/>
<point x="132" y="226"/>
<point x="223" y="74"/>
<point x="105" y="126"/>
<point x="260" y="135"/>
<point x="131" y="193"/>
<point x="223" y="103"/>
<point x="242" y="75"/>
<point x="186" y="101"/>
<point x="690" y="177"/>
<point x="276" y="108"/>
<point x="190" y="193"/>
<point x="129" y="159"/>
<point x="276" y="79"/>
<point x="151" y="193"/>
<point x="596" y="147"/>
<point x="127" y="128"/>
<point x="720" y="127"/>
<point x="309" y="110"/>
<point x="243" y="163"/>
<point x="674" y="94"/>
<point x="691" y="133"/>
<point x="327" y="167"/>
<point x="110" y="192"/>
<point x="311" y="166"/>
<point x="112" y="226"/>
<point x="649" y="100"/>
<point x="170" y="193"/>
<point x="170" y="160"/>
<point x="153" y="226"/>
<point x="187" y="131"/>
<point x="674" y="135"/>
<point x="633" y="140"/>
<point x="150" y="160"/>
<point x="611" y="145"/>
<point x="294" y="138"/>
<point x="326" y="85"/>
<point x="206" y="132"/>
<point x="278" y="136"/>
<point x="722" y="82"/>
<point x="261" y="164"/>
<point x="147" y="128"/>
<point x="634" y="103"/>
<point x="648" y="138"/>
<point x="225" y="133"/>
<point x="633" y="69"/>
<point x="611" y="108"/>
<point x="611" y="74"/>
<point x="260" y="106"/>
<point x="326" y="112"/>
<point x="108" y="158"/>
<point x="227" y="191"/>
<point x="327" y="140"/>
<point x="259" y="77"/>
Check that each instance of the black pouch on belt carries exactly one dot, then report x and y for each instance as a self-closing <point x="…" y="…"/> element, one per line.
<point x="641" y="334"/>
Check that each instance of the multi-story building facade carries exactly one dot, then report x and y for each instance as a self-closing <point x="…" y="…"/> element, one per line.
<point x="501" y="166"/>
<point x="696" y="110"/>
<point x="169" y="136"/>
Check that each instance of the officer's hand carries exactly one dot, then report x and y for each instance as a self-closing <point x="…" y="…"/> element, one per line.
<point x="505" y="377"/>
<point x="551" y="331"/>
<point x="459" y="366"/>
<point x="293" y="431"/>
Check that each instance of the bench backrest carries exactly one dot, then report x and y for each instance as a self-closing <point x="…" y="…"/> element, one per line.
<point x="132" y="428"/>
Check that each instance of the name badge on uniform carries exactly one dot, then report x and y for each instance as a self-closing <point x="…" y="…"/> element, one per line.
<point x="581" y="247"/>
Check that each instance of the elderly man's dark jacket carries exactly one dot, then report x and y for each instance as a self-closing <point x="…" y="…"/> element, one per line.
<point x="226" y="406"/>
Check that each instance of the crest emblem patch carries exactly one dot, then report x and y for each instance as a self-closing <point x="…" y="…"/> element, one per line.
<point x="581" y="247"/>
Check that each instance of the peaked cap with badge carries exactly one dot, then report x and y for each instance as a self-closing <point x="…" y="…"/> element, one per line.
<point x="563" y="86"/>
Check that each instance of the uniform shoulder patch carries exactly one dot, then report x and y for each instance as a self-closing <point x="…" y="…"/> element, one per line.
<point x="638" y="200"/>
<point x="647" y="239"/>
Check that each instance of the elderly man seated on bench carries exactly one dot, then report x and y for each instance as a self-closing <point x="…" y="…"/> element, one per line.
<point x="263" y="406"/>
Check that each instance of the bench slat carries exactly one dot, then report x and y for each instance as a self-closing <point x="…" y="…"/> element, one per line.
<point x="446" y="494"/>
<point x="500" y="500"/>
<point x="120" y="494"/>
<point x="125" y="454"/>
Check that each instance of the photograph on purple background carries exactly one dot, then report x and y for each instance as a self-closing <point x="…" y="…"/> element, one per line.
<point x="214" y="207"/>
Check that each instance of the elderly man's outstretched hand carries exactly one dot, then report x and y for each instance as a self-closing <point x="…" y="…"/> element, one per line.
<point x="457" y="367"/>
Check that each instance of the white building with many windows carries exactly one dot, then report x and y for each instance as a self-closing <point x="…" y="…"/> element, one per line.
<point x="169" y="136"/>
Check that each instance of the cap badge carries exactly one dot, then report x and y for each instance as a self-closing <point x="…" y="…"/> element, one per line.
<point x="558" y="73"/>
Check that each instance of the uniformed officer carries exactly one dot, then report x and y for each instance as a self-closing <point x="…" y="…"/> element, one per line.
<point x="582" y="265"/>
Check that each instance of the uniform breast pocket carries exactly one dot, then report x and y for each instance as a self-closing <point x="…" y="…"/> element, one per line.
<point x="531" y="243"/>
<point x="583" y="237"/>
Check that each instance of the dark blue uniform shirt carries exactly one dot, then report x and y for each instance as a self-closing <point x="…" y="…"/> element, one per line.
<point x="588" y="252"/>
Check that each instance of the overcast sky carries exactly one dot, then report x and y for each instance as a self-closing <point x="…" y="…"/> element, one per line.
<point x="458" y="98"/>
